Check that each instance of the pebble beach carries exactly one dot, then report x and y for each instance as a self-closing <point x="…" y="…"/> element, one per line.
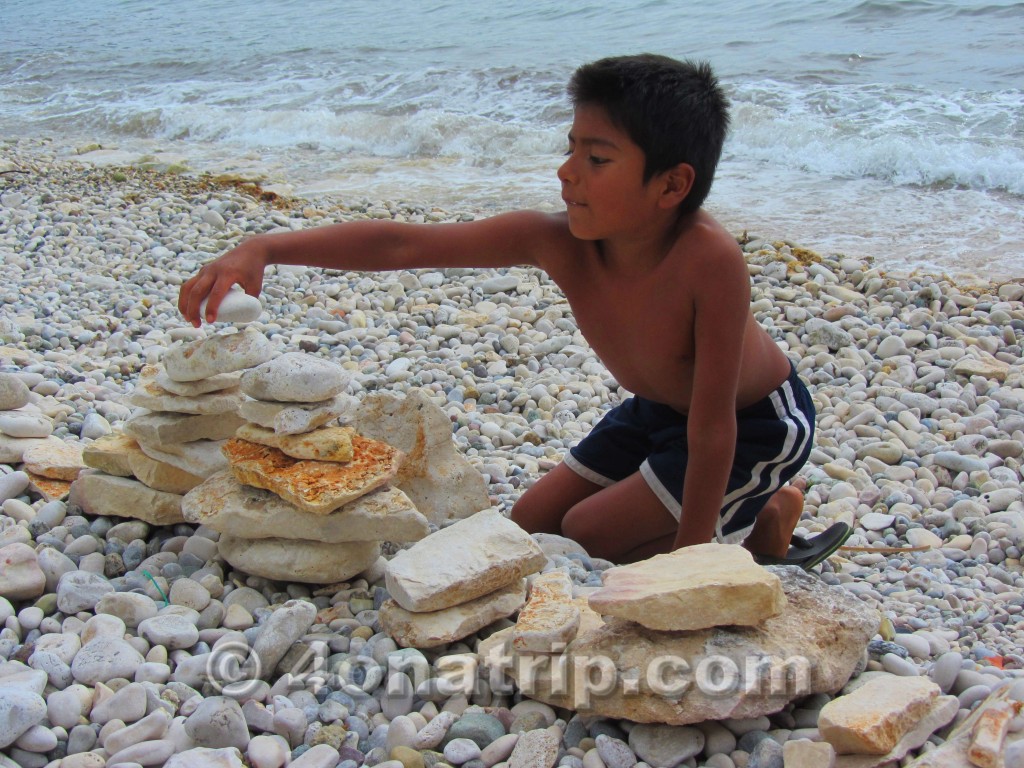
<point x="918" y="383"/>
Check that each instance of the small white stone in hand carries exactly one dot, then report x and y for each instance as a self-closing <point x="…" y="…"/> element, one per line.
<point x="236" y="307"/>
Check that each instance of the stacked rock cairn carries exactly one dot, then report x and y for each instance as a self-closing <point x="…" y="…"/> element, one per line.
<point x="50" y="464"/>
<point x="303" y="501"/>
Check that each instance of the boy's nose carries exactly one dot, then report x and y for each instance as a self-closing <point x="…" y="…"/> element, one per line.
<point x="565" y="172"/>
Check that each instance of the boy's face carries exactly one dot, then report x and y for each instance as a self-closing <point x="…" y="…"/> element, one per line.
<point x="602" y="179"/>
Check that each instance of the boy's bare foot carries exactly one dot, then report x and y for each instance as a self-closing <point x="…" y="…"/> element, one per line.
<point x="776" y="523"/>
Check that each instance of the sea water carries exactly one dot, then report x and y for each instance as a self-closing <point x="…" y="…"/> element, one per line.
<point x="891" y="129"/>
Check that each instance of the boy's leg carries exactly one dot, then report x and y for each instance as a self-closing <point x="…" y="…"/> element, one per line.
<point x="543" y="505"/>
<point x="775" y="523"/>
<point x="622" y="523"/>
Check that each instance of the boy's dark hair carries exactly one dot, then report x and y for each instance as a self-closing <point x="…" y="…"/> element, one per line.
<point x="675" y="111"/>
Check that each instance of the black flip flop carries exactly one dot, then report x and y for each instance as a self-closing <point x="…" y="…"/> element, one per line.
<point x="808" y="553"/>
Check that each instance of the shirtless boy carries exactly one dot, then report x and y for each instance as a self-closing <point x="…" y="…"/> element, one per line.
<point x="719" y="421"/>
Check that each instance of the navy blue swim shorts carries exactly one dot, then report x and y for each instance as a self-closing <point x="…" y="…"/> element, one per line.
<point x="773" y="440"/>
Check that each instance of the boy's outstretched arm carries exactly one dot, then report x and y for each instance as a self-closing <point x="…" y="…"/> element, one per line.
<point x="524" y="237"/>
<point x="721" y="312"/>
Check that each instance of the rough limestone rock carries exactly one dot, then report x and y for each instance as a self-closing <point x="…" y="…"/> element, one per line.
<point x="319" y="487"/>
<point x="162" y="428"/>
<point x="440" y="481"/>
<point x="941" y="714"/>
<point x="99" y="494"/>
<point x="57" y="461"/>
<point x="161" y="476"/>
<point x="550" y="619"/>
<point x="20" y="575"/>
<point x="236" y="307"/>
<point x="295" y="377"/>
<point x="192" y="388"/>
<point x="620" y="669"/>
<point x="990" y="368"/>
<point x="323" y="444"/>
<point x="49" y="488"/>
<point x="708" y="585"/>
<point x="226" y="505"/>
<point x="151" y="396"/>
<point x="312" y="562"/>
<point x="111" y="454"/>
<point x="200" y="457"/>
<point x="296" y="418"/>
<point x="223" y="353"/>
<point x="12" y="449"/>
<point x="492" y="552"/>
<point x="872" y="719"/>
<point x="428" y="630"/>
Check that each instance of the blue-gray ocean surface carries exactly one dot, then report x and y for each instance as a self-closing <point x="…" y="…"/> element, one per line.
<point x="884" y="128"/>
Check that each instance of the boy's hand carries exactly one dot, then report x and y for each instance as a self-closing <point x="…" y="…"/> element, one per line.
<point x="243" y="266"/>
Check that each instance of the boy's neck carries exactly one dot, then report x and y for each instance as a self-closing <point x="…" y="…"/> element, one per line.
<point x="638" y="255"/>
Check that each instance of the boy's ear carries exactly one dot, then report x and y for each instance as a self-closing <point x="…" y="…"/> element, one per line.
<point x="676" y="184"/>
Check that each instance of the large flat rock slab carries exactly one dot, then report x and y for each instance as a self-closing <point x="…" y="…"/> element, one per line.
<point x="429" y="630"/>
<point x="319" y="487"/>
<point x="162" y="428"/>
<point x="111" y="454"/>
<point x="466" y="560"/>
<point x="200" y="457"/>
<point x="151" y="396"/>
<point x="226" y="505"/>
<point x="707" y="585"/>
<point x="620" y="669"/>
<point x="440" y="481"/>
<point x="100" y="494"/>
<point x="223" y="353"/>
<point x="311" y="562"/>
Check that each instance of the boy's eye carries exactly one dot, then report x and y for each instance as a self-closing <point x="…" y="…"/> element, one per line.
<point x="598" y="160"/>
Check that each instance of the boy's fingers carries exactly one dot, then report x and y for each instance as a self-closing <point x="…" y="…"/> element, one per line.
<point x="192" y="294"/>
<point x="213" y="299"/>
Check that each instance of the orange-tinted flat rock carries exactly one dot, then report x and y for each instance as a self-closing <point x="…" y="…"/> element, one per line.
<point x="319" y="487"/>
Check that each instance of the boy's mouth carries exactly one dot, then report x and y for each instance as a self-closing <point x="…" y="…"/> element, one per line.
<point x="572" y="203"/>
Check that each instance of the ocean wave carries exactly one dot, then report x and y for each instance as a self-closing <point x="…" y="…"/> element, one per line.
<point x="900" y="135"/>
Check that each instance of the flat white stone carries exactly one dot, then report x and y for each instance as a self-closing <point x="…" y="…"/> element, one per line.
<point x="428" y="630"/>
<point x="468" y="559"/>
<point x="216" y="383"/>
<point x="162" y="428"/>
<point x="25" y="424"/>
<point x="312" y="562"/>
<point x="151" y="396"/>
<point x="236" y="307"/>
<point x="201" y="457"/>
<point x="295" y="377"/>
<point x="297" y="418"/>
<point x="56" y="461"/>
<point x="223" y="353"/>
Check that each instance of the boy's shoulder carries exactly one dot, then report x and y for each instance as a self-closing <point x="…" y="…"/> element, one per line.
<point x="704" y="244"/>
